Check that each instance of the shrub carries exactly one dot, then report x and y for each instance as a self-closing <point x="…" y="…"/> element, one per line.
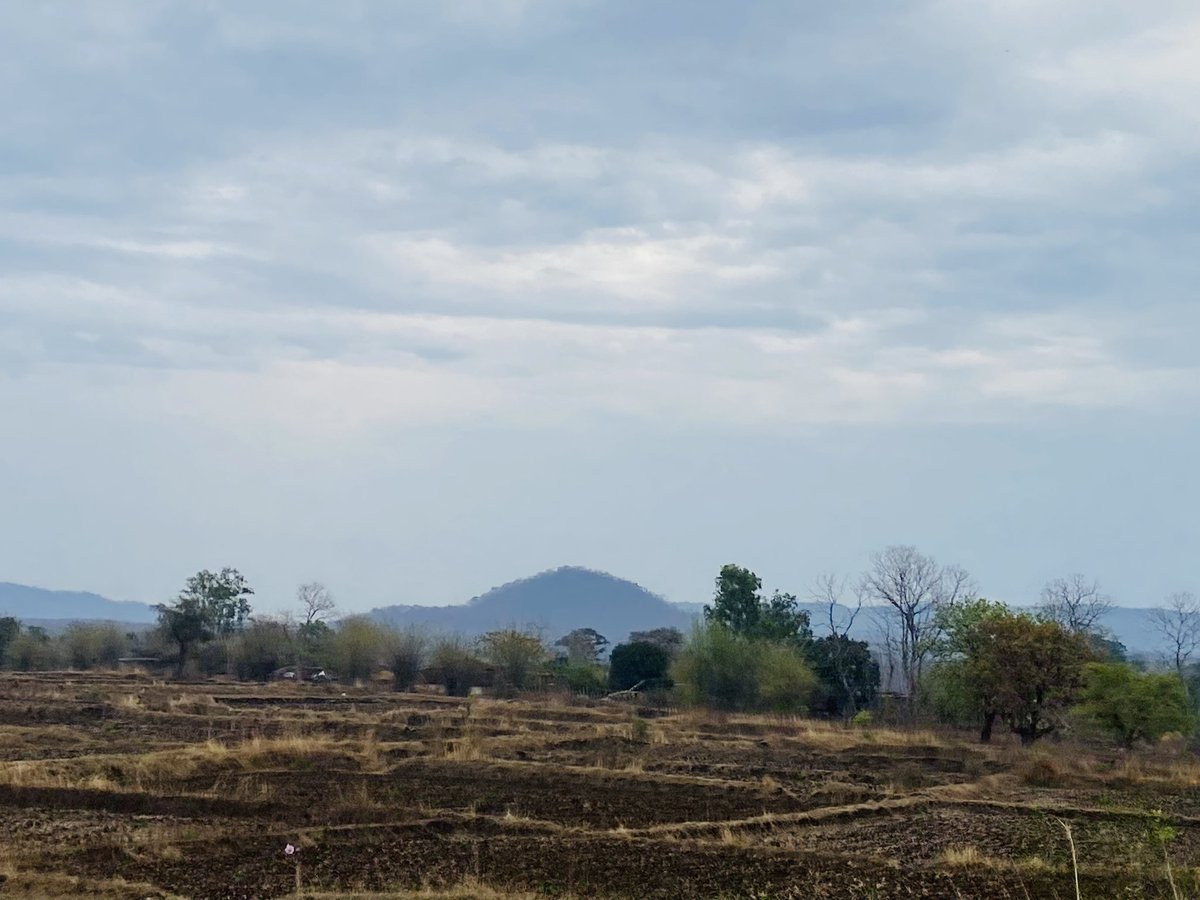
<point x="406" y="656"/>
<point x="32" y="651"/>
<point x="518" y="656"/>
<point x="730" y="671"/>
<point x="256" y="653"/>
<point x="454" y="665"/>
<point x="357" y="648"/>
<point x="89" y="646"/>
<point x="582" y="679"/>
<point x="862" y="718"/>
<point x="786" y="684"/>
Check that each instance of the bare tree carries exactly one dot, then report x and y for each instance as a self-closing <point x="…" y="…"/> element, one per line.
<point x="316" y="603"/>
<point x="911" y="588"/>
<point x="832" y="591"/>
<point x="1179" y="624"/>
<point x="1075" y="603"/>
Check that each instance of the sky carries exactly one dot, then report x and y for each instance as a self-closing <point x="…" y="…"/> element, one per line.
<point x="416" y="298"/>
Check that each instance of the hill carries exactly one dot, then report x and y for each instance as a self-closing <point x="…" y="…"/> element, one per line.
<point x="555" y="602"/>
<point x="32" y="603"/>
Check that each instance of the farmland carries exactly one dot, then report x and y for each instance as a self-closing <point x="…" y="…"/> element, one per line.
<point x="119" y="786"/>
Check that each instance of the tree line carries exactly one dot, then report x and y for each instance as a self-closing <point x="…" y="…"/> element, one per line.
<point x="942" y="652"/>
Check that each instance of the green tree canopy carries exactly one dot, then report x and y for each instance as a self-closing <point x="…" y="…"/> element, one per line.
<point x="1135" y="706"/>
<point x="635" y="662"/>
<point x="739" y="606"/>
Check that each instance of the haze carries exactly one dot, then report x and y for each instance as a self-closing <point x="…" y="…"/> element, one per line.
<point x="418" y="298"/>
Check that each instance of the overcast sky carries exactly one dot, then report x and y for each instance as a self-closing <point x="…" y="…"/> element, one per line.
<point x="415" y="298"/>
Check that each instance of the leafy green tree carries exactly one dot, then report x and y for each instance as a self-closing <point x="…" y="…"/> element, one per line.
<point x="1026" y="671"/>
<point x="210" y="605"/>
<point x="957" y="689"/>
<point x="638" y="661"/>
<point x="1135" y="706"/>
<point x="847" y="672"/>
<point x="517" y="656"/>
<point x="185" y="624"/>
<point x="221" y="597"/>
<point x="583" y="645"/>
<point x="739" y="606"/>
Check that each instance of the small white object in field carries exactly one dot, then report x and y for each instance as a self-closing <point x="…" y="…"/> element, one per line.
<point x="289" y="850"/>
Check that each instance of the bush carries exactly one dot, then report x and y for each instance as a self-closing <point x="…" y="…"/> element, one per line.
<point x="638" y="661"/>
<point x="357" y="648"/>
<point x="517" y="656"/>
<point x="261" y="649"/>
<point x="406" y="656"/>
<point x="582" y="679"/>
<point x="729" y="671"/>
<point x="32" y="651"/>
<point x="1133" y="705"/>
<point x="862" y="718"/>
<point x="454" y="665"/>
<point x="89" y="646"/>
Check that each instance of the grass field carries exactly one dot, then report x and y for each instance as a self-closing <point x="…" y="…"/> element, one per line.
<point x="119" y="787"/>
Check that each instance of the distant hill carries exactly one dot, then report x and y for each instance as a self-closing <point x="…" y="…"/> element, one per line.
<point x="30" y="604"/>
<point x="555" y="602"/>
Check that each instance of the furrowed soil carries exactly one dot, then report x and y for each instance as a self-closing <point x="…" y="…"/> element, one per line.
<point x="122" y="787"/>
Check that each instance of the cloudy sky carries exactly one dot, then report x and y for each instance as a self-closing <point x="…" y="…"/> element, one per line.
<point x="418" y="297"/>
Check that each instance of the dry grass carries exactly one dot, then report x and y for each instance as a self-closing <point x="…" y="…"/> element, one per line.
<point x="160" y="769"/>
<point x="468" y="889"/>
<point x="26" y="883"/>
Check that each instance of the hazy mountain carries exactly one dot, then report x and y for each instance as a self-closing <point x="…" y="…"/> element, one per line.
<point x="30" y="604"/>
<point x="555" y="602"/>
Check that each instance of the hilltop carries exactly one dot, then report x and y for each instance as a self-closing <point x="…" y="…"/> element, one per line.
<point x="34" y="605"/>
<point x="554" y="602"/>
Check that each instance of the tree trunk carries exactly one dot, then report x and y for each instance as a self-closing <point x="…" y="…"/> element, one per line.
<point x="985" y="733"/>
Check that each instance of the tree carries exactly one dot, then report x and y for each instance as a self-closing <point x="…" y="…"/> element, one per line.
<point x="517" y="656"/>
<point x="847" y="670"/>
<point x="911" y="588"/>
<point x="1179" y="624"/>
<point x="636" y="662"/>
<point x="669" y="639"/>
<point x="316" y="603"/>
<point x="9" y="629"/>
<point x="961" y="642"/>
<point x="186" y="624"/>
<point x="1133" y="705"/>
<point x="738" y="606"/>
<point x="1026" y="670"/>
<point x="1075" y="603"/>
<point x="583" y="645"/>
<point x="222" y="597"/>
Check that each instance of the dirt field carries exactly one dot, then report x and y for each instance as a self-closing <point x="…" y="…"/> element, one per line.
<point x="120" y="787"/>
